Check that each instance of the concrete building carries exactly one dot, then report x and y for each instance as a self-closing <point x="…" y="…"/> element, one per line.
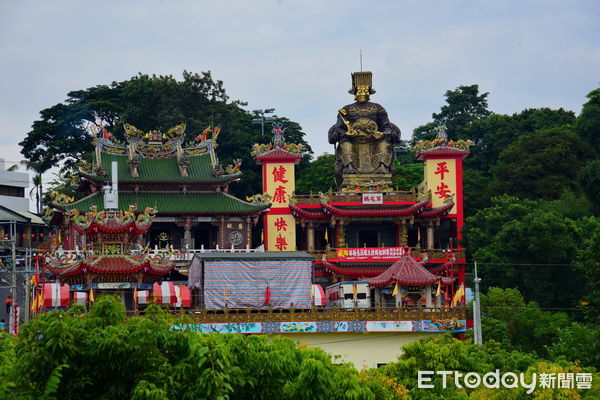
<point x="12" y="188"/>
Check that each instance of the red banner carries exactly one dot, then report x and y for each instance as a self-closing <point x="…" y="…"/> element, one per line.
<point x="370" y="253"/>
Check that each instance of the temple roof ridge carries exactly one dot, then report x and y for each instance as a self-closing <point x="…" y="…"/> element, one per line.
<point x="405" y="271"/>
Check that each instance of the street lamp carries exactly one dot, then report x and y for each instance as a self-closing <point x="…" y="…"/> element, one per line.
<point x="262" y="119"/>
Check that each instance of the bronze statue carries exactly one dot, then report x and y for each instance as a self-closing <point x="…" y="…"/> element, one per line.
<point x="364" y="137"/>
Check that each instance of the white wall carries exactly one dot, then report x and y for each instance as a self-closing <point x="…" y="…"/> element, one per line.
<point x="364" y="350"/>
<point x="18" y="179"/>
<point x="15" y="203"/>
<point x="15" y="179"/>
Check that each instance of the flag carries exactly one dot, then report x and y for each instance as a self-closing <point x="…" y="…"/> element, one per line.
<point x="135" y="295"/>
<point x="395" y="292"/>
<point x="267" y="295"/>
<point x="458" y="295"/>
<point x="419" y="236"/>
<point x="33" y="306"/>
<point x="354" y="291"/>
<point x="326" y="238"/>
<point x="439" y="289"/>
<point x="92" y="299"/>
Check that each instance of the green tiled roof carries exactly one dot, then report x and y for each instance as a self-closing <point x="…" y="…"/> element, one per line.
<point x="174" y="203"/>
<point x="164" y="169"/>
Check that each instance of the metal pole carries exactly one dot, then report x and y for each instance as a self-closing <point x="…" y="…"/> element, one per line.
<point x="13" y="248"/>
<point x="477" y="311"/>
<point x="27" y="276"/>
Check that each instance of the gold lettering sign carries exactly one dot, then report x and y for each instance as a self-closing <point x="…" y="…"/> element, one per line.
<point x="280" y="182"/>
<point x="440" y="178"/>
<point x="281" y="232"/>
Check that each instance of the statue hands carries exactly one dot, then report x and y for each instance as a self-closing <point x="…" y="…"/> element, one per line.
<point x="351" y="132"/>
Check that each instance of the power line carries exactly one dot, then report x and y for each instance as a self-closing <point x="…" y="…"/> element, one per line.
<point x="527" y="264"/>
<point x="535" y="308"/>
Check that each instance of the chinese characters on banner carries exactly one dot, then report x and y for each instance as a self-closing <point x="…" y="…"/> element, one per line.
<point x="281" y="232"/>
<point x="441" y="180"/>
<point x="280" y="226"/>
<point x="372" y="198"/>
<point x="367" y="253"/>
<point x="280" y="183"/>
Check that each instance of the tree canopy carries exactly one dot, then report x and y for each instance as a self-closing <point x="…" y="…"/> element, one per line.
<point x="588" y="123"/>
<point x="464" y="105"/>
<point x="526" y="244"/>
<point x="443" y="353"/>
<point x="103" y="355"/>
<point x="317" y="176"/>
<point x="60" y="137"/>
<point x="541" y="165"/>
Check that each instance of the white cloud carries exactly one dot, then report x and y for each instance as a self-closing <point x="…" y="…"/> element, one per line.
<point x="297" y="56"/>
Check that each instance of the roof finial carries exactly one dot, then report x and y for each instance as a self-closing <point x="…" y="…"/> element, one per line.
<point x="360" y="60"/>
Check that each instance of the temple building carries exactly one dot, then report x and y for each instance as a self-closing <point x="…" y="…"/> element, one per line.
<point x="186" y="184"/>
<point x="157" y="222"/>
<point x="360" y="230"/>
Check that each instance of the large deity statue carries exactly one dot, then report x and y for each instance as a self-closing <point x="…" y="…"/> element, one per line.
<point x="364" y="136"/>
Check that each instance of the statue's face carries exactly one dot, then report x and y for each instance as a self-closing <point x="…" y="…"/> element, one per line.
<point x="362" y="94"/>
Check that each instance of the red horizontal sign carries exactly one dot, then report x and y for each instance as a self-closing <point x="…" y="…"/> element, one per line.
<point x="369" y="253"/>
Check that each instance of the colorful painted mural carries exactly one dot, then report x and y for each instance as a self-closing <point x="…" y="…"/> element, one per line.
<point x="450" y="325"/>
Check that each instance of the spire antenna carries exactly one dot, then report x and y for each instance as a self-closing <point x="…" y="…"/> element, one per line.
<point x="360" y="60"/>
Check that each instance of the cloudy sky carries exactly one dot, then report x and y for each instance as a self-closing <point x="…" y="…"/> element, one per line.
<point x="297" y="56"/>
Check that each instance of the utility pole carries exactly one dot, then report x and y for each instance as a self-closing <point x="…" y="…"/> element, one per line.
<point x="13" y="249"/>
<point x="27" y="276"/>
<point x="476" y="311"/>
<point x="262" y="119"/>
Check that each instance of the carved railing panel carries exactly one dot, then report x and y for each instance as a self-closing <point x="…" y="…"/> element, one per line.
<point x="323" y="314"/>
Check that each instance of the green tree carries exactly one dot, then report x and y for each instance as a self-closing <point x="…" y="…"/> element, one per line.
<point x="60" y="137"/>
<point x="518" y="325"/>
<point x="476" y="188"/>
<point x="442" y="353"/>
<point x="542" y="164"/>
<point x="103" y="355"/>
<point x="408" y="173"/>
<point x="588" y="122"/>
<point x="577" y="343"/>
<point x="524" y="244"/>
<point x="317" y="176"/>
<point x="464" y="105"/>
<point x="589" y="179"/>
<point x="589" y="261"/>
<point x="494" y="133"/>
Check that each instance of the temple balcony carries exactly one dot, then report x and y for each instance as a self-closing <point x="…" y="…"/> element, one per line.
<point x="353" y="197"/>
<point x="433" y="255"/>
<point x="186" y="255"/>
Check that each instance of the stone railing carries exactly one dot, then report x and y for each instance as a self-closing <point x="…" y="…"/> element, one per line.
<point x="323" y="314"/>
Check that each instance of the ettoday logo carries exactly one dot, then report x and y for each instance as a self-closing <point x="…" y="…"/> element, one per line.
<point x="508" y="380"/>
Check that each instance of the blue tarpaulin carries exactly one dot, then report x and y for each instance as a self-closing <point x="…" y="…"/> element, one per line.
<point x="257" y="283"/>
